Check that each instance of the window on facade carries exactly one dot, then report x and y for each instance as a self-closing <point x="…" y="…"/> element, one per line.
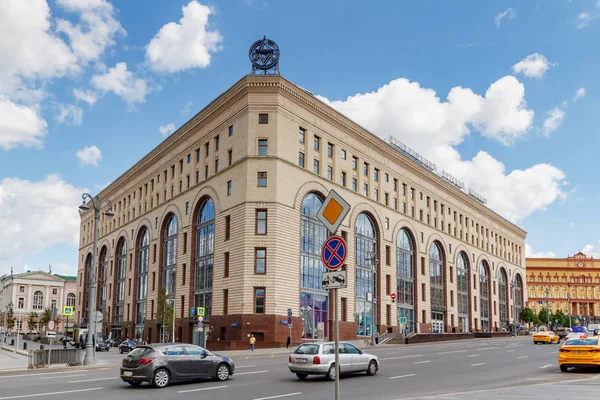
<point x="301" y="135"/>
<point x="21" y="303"/>
<point x="261" y="222"/>
<point x="142" y="281"/>
<point x="330" y="172"/>
<point x="366" y="189"/>
<point x="263" y="147"/>
<point x="503" y="297"/>
<point x="354" y="163"/>
<point x="462" y="282"/>
<point x="343" y="180"/>
<point x="317" y="143"/>
<point x="170" y="256"/>
<point x="376" y="174"/>
<point x="229" y="157"/>
<point x="226" y="265"/>
<point x="405" y="278"/>
<point x="54" y="291"/>
<point x="228" y="188"/>
<point x="259" y="300"/>
<point x="301" y="159"/>
<point x="203" y="268"/>
<point x="484" y="296"/>
<point x="263" y="118"/>
<point x="316" y="167"/>
<point x="329" y="150"/>
<point x="207" y="149"/>
<point x="261" y="179"/>
<point x="366" y="244"/>
<point x="71" y="299"/>
<point x="216" y="165"/>
<point x="260" y="260"/>
<point x="343" y="154"/>
<point x="231" y="130"/>
<point x="366" y="169"/>
<point x="206" y="171"/>
<point x="436" y="290"/>
<point x="354" y="184"/>
<point x="227" y="227"/>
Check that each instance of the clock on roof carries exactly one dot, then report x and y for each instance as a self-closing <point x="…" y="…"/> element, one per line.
<point x="580" y="264"/>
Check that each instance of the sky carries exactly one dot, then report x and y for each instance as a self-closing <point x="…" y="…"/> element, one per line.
<point x="502" y="95"/>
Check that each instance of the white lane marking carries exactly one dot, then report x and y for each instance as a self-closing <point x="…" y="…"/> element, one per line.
<point x="522" y="357"/>
<point x="450" y="352"/>
<point x="252" y="372"/>
<point x="60" y="377"/>
<point x="546" y="366"/>
<point x="22" y="396"/>
<point x="422" y="362"/>
<point x="475" y="365"/>
<point x="473" y="355"/>
<point x="509" y="351"/>
<point x="244" y="366"/>
<point x="279" y="396"/>
<point x="401" y="376"/>
<point x="200" y="389"/>
<point x="555" y="352"/>
<point x="487" y="348"/>
<point x="399" y="357"/>
<point x="40" y="374"/>
<point x="93" y="380"/>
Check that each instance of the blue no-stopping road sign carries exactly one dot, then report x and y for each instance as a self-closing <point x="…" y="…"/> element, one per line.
<point x="333" y="253"/>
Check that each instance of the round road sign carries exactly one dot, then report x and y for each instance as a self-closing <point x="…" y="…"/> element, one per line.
<point x="333" y="253"/>
<point x="393" y="296"/>
<point x="50" y="325"/>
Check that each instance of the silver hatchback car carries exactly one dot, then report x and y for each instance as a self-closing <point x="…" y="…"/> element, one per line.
<point x="319" y="359"/>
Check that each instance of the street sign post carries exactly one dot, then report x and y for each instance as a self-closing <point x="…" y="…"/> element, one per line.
<point x="333" y="253"/>
<point x="200" y="311"/>
<point x="334" y="279"/>
<point x="192" y="311"/>
<point x="333" y="211"/>
<point x="393" y="296"/>
<point x="290" y="325"/>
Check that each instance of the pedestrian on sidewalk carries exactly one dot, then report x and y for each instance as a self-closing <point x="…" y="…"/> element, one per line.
<point x="288" y="343"/>
<point x="252" y="342"/>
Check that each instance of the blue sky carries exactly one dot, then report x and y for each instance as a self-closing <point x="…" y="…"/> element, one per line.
<point x="503" y="95"/>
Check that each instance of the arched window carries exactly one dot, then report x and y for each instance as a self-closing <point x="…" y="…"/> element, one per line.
<point x="484" y="295"/>
<point x="142" y="281"/>
<point x="462" y="283"/>
<point x="102" y="279"/>
<point x="170" y="258"/>
<point x="503" y="295"/>
<point x="366" y="259"/>
<point x="406" y="279"/>
<point x="120" y="285"/>
<point x="88" y="284"/>
<point x="313" y="299"/>
<point x="38" y="300"/>
<point x="436" y="280"/>
<point x="205" y="244"/>
<point x="71" y="300"/>
<point x="518" y="296"/>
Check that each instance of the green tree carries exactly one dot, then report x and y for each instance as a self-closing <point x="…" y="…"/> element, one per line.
<point x="164" y="312"/>
<point x="543" y="317"/>
<point x="45" y="318"/>
<point x="527" y="315"/>
<point x="32" y="321"/>
<point x="563" y="320"/>
<point x="10" y="317"/>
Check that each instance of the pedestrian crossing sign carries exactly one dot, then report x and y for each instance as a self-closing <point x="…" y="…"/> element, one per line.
<point x="67" y="311"/>
<point x="403" y="320"/>
<point x="200" y="311"/>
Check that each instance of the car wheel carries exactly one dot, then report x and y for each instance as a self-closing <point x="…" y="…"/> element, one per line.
<point x="302" y="377"/>
<point x="564" y="368"/>
<point x="161" y="378"/>
<point x="372" y="368"/>
<point x="135" y="383"/>
<point x="331" y="372"/>
<point x="222" y="372"/>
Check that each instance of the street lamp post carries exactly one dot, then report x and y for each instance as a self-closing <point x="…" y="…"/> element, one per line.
<point x="97" y="204"/>
<point x="569" y="302"/>
<point x="548" y="305"/>
<point x="372" y="257"/>
<point x="513" y="286"/>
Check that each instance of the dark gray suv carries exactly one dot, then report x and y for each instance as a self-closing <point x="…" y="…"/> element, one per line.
<point x="161" y="364"/>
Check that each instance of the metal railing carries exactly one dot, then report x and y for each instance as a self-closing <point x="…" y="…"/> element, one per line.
<point x="43" y="358"/>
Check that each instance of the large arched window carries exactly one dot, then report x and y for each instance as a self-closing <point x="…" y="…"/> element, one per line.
<point x="71" y="300"/>
<point x="366" y="256"/>
<point x="436" y="280"/>
<point x="88" y="284"/>
<point x="205" y="245"/>
<point x="503" y="295"/>
<point x="170" y="256"/>
<point x="313" y="299"/>
<point x="484" y="296"/>
<point x="38" y="300"/>
<point x="102" y="279"/>
<point x="406" y="279"/>
<point x="142" y="281"/>
<point x="518" y="296"/>
<point x="462" y="283"/>
<point x="120" y="282"/>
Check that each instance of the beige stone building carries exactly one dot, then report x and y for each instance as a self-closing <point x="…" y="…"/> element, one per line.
<point x="222" y="214"/>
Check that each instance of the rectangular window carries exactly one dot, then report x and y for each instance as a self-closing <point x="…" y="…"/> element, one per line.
<point x="388" y="315"/>
<point x="376" y="192"/>
<point x="261" y="222"/>
<point x="388" y="255"/>
<point x="263" y="147"/>
<point x="231" y="130"/>
<point x="422" y="265"/>
<point x="301" y="159"/>
<point x="317" y="143"/>
<point x="343" y="154"/>
<point x="423" y="298"/>
<point x="225" y="301"/>
<point x="197" y="177"/>
<point x="329" y="150"/>
<point x="386" y="178"/>
<point x="301" y="134"/>
<point x="343" y="182"/>
<point x="197" y="160"/>
<point x="226" y="265"/>
<point x="228" y="188"/>
<point x="387" y="199"/>
<point x="354" y="163"/>
<point x="227" y="227"/>
<point x="330" y="172"/>
<point x="260" y="260"/>
<point x="217" y="142"/>
<point x="229" y="157"/>
<point x="263" y="118"/>
<point x="344" y="309"/>
<point x="261" y="179"/>
<point x="387" y="223"/>
<point x="354" y="184"/>
<point x="376" y="174"/>
<point x="388" y="284"/>
<point x="216" y="165"/>
<point x="366" y="189"/>
<point x="259" y="300"/>
<point x="316" y="167"/>
<point x="187" y="208"/>
<point x="206" y="149"/>
<point x="366" y="169"/>
<point x="21" y="302"/>
<point x="184" y="274"/>
<point x="184" y="242"/>
<point x="206" y="171"/>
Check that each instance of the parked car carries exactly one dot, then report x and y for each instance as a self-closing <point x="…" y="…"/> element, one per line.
<point x="562" y="332"/>
<point x="127" y="346"/>
<point x="163" y="363"/>
<point x="318" y="359"/>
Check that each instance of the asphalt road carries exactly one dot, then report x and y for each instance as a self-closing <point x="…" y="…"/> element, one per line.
<point x="492" y="368"/>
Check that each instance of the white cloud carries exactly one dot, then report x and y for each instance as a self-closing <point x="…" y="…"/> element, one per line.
<point x="166" y="130"/>
<point x="187" y="109"/>
<point x="70" y="114"/>
<point x="187" y="44"/>
<point x="102" y="187"/>
<point x="20" y="125"/>
<point x="542" y="254"/>
<point x="87" y="96"/>
<point x="89" y="155"/>
<point x="571" y="225"/>
<point x="579" y="94"/>
<point x="95" y="31"/>
<point x="533" y="66"/>
<point x="584" y="19"/>
<point x="555" y="118"/>
<point x="31" y="223"/>
<point x="123" y="83"/>
<point x="591" y="251"/>
<point x="434" y="128"/>
<point x="508" y="13"/>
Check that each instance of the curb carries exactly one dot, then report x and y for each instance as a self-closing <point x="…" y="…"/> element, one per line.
<point x="55" y="369"/>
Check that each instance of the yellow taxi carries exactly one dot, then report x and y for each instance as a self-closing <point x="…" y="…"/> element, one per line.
<point x="583" y="351"/>
<point x="545" y="337"/>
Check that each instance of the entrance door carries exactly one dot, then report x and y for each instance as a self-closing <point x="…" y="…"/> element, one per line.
<point x="437" y="322"/>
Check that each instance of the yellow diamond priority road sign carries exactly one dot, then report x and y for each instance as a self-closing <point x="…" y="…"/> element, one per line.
<point x="333" y="211"/>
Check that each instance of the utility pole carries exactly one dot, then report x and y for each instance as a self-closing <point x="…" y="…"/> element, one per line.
<point x="569" y="302"/>
<point x="548" y="304"/>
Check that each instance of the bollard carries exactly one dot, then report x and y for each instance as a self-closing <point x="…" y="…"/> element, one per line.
<point x="24" y="345"/>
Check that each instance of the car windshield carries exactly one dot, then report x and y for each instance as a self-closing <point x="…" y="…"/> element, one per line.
<point x="139" y="352"/>
<point x="307" y="349"/>
<point x="582" y="342"/>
